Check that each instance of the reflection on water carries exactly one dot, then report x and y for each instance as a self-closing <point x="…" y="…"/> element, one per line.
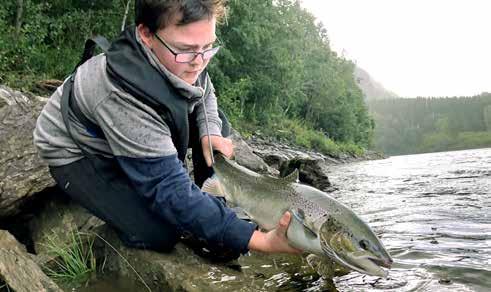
<point x="433" y="212"/>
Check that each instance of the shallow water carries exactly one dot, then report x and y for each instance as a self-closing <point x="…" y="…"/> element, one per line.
<point x="433" y="212"/>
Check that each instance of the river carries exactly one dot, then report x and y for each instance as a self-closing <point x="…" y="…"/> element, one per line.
<point x="433" y="213"/>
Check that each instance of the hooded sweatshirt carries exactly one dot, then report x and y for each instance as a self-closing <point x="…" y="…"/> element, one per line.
<point x="140" y="141"/>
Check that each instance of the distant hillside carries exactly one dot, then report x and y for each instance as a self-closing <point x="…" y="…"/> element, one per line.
<point x="417" y="125"/>
<point x="371" y="89"/>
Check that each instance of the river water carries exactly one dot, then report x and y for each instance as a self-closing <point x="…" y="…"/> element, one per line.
<point x="433" y="213"/>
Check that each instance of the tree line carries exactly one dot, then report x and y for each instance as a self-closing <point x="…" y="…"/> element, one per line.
<point x="275" y="74"/>
<point x="415" y="125"/>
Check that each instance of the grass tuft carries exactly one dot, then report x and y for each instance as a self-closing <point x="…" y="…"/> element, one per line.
<point x="75" y="260"/>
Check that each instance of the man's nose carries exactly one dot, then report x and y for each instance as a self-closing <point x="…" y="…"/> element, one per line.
<point x="198" y="59"/>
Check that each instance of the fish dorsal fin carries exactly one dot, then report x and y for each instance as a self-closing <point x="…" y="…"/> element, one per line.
<point x="212" y="185"/>
<point x="292" y="177"/>
<point x="299" y="214"/>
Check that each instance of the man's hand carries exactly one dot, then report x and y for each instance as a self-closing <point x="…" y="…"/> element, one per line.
<point x="219" y="144"/>
<point x="274" y="241"/>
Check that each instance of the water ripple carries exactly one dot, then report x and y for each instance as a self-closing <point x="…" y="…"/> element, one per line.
<point x="433" y="214"/>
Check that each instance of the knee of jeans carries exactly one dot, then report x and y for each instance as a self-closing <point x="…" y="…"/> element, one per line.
<point x="158" y="242"/>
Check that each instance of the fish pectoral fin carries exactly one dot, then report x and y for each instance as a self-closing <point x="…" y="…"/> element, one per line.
<point x="323" y="266"/>
<point x="299" y="215"/>
<point x="212" y="185"/>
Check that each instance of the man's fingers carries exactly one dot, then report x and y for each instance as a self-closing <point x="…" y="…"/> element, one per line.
<point x="284" y="221"/>
<point x="207" y="159"/>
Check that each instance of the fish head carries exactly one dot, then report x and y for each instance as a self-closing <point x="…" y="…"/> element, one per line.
<point x="356" y="248"/>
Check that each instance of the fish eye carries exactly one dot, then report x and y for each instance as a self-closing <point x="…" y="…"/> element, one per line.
<point x="364" y="244"/>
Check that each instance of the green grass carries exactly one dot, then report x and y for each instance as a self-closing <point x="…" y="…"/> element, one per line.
<point x="74" y="260"/>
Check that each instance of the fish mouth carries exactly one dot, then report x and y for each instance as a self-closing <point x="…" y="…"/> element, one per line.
<point x="368" y="263"/>
<point x="386" y="263"/>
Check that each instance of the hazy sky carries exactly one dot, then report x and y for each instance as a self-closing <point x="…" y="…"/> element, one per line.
<point x="414" y="47"/>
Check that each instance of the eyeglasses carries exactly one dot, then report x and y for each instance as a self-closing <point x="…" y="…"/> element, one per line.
<point x="188" y="57"/>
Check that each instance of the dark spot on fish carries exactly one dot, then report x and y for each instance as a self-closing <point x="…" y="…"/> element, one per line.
<point x="434" y="241"/>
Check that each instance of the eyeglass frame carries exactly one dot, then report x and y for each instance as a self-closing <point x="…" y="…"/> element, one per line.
<point x="196" y="54"/>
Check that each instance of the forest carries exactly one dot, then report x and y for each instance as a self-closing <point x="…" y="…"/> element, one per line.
<point x="275" y="75"/>
<point x="416" y="125"/>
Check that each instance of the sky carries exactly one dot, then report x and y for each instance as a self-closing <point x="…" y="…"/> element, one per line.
<point x="413" y="47"/>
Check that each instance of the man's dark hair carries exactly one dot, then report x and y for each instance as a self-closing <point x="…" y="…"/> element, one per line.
<point x="157" y="14"/>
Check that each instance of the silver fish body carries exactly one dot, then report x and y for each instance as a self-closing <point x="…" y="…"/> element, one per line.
<point x="320" y="224"/>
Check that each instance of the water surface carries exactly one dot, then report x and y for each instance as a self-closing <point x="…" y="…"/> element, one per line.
<point x="433" y="212"/>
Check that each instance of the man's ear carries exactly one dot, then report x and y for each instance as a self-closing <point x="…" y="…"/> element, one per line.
<point x="145" y="35"/>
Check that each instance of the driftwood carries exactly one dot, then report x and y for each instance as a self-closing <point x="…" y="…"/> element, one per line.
<point x="49" y="85"/>
<point x="22" y="174"/>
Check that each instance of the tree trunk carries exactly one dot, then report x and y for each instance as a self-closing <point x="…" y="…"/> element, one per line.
<point x="18" y="17"/>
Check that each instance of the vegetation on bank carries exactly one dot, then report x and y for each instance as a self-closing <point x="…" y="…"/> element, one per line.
<point x="275" y="73"/>
<point x="74" y="260"/>
<point x="408" y="125"/>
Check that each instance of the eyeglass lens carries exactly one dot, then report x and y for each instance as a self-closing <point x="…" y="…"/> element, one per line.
<point x="189" y="57"/>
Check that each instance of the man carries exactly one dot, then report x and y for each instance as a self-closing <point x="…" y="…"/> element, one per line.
<point x="116" y="133"/>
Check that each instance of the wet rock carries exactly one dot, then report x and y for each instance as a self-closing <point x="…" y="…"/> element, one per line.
<point x="275" y="160"/>
<point x="445" y="281"/>
<point x="311" y="171"/>
<point x="22" y="174"/>
<point x="245" y="156"/>
<point x="18" y="270"/>
<point x="183" y="270"/>
<point x="57" y="220"/>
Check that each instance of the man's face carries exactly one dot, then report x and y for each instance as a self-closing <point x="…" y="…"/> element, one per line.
<point x="193" y="37"/>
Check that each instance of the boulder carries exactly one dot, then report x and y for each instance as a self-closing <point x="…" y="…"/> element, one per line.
<point x="311" y="171"/>
<point x="245" y="156"/>
<point x="56" y="220"/>
<point x="22" y="174"/>
<point x="17" y="269"/>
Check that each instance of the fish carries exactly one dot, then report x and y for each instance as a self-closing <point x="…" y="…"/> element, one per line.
<point x="320" y="224"/>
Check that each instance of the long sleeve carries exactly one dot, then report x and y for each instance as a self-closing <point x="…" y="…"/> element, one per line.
<point x="173" y="196"/>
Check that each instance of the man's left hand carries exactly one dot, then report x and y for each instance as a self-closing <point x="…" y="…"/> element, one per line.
<point x="220" y="144"/>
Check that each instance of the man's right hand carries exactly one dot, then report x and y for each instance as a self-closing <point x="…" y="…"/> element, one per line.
<point x="274" y="241"/>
